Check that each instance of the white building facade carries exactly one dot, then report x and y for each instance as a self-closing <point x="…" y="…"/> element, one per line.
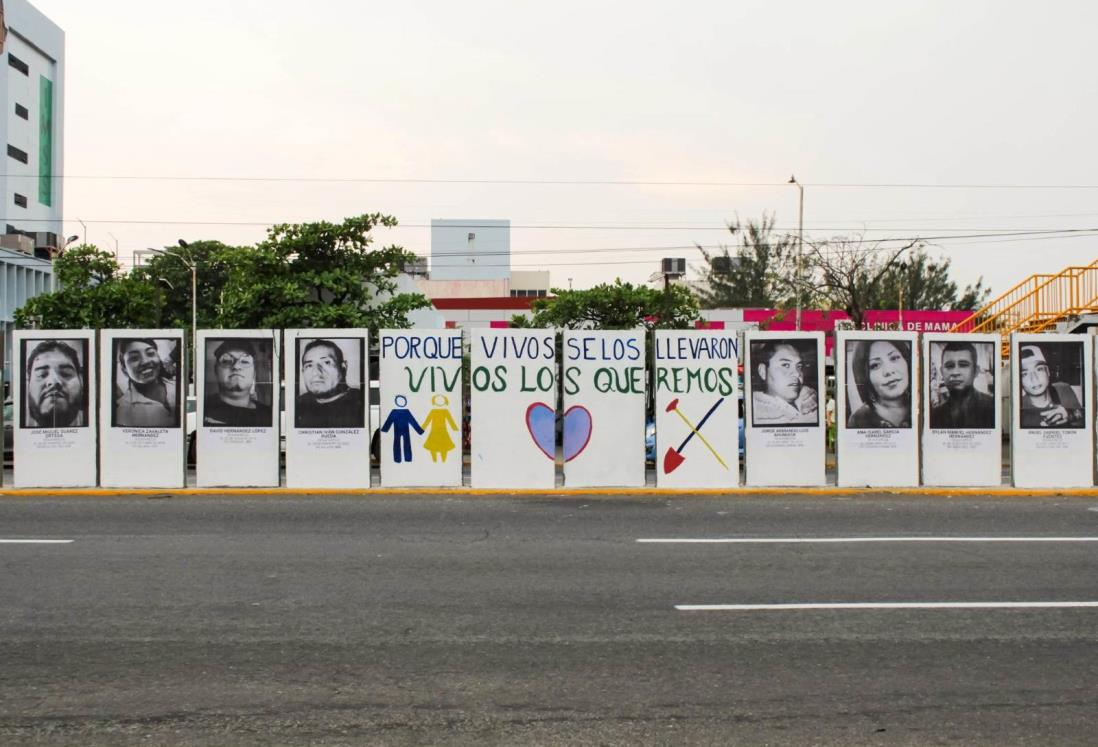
<point x="32" y="126"/>
<point x="21" y="277"/>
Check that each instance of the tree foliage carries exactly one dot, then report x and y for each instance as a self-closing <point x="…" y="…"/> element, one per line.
<point x="319" y="275"/>
<point x="614" y="305"/>
<point x="762" y="269"/>
<point x="920" y="282"/>
<point x="94" y="293"/>
<point x="303" y="275"/>
<point x="170" y="272"/>
<point x="856" y="275"/>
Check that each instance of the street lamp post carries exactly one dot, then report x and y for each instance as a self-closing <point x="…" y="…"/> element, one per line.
<point x="190" y="264"/>
<point x="55" y="252"/>
<point x="800" y="243"/>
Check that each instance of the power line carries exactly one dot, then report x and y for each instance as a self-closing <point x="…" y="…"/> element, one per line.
<point x="981" y="232"/>
<point x="549" y="182"/>
<point x="1014" y="236"/>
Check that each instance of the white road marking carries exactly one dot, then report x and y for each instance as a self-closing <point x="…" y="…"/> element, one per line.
<point x="34" y="542"/>
<point x="840" y="540"/>
<point x="879" y="606"/>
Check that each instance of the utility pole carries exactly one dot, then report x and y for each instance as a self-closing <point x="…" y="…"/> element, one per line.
<point x="800" y="247"/>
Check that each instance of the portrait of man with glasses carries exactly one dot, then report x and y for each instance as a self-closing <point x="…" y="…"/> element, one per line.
<point x="235" y="393"/>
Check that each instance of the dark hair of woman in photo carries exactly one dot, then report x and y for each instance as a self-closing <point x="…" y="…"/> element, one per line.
<point x="882" y="374"/>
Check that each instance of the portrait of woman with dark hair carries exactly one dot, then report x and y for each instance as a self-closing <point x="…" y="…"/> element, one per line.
<point x="148" y="393"/>
<point x="879" y="384"/>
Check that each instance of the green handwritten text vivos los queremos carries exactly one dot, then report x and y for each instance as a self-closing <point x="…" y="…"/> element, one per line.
<point x="497" y="379"/>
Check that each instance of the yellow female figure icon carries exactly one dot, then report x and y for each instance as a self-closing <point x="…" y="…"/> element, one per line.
<point x="438" y="423"/>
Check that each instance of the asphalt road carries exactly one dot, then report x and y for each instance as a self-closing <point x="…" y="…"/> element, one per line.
<point x="496" y="620"/>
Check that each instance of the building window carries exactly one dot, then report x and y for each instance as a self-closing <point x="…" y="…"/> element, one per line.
<point x="20" y="200"/>
<point x="18" y="64"/>
<point x="21" y="112"/>
<point x="18" y="155"/>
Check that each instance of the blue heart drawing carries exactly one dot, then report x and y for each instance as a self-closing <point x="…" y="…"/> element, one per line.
<point x="541" y="421"/>
<point x="577" y="431"/>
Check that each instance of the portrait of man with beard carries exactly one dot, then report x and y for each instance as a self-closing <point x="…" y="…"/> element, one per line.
<point x="149" y="385"/>
<point x="56" y="391"/>
<point x="325" y="398"/>
<point x="232" y="395"/>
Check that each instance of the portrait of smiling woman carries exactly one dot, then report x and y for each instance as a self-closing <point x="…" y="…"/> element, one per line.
<point x="146" y="383"/>
<point x="878" y="387"/>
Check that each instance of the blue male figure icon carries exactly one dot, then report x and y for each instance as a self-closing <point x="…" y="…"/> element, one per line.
<point x="401" y="420"/>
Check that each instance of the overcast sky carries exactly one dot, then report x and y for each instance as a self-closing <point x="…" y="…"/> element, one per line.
<point x="737" y="93"/>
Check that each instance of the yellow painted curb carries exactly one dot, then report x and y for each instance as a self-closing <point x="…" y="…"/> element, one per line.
<point x="1003" y="492"/>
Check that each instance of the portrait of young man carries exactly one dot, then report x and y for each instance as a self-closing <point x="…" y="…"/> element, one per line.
<point x="962" y="397"/>
<point x="55" y="379"/>
<point x="325" y="397"/>
<point x="148" y="382"/>
<point x="233" y="394"/>
<point x="1050" y="376"/>
<point x="783" y="383"/>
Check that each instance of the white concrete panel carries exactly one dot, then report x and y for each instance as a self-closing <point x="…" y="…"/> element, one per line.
<point x="327" y="410"/>
<point x="604" y="388"/>
<point x="142" y="375"/>
<point x="876" y="408"/>
<point x="513" y="385"/>
<point x="697" y="408"/>
<point x="785" y="429"/>
<point x="1052" y="410"/>
<point x="962" y="433"/>
<point x="421" y="407"/>
<point x="238" y="416"/>
<point x="55" y="408"/>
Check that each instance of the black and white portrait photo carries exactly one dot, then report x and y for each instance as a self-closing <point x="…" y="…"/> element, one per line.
<point x="962" y="385"/>
<point x="146" y="383"/>
<point x="55" y="383"/>
<point x="239" y="382"/>
<point x="330" y="383"/>
<point x="1050" y="378"/>
<point x="783" y="383"/>
<point x="878" y="383"/>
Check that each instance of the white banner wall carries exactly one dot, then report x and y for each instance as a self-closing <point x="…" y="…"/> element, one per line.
<point x="603" y="428"/>
<point x="142" y="406"/>
<point x="876" y="408"/>
<point x="697" y="408"/>
<point x="421" y="407"/>
<point x="786" y="433"/>
<point x="327" y="409"/>
<point x="54" y="408"/>
<point x="1052" y="410"/>
<point x="513" y="388"/>
<point x="962" y="433"/>
<point x="238" y="412"/>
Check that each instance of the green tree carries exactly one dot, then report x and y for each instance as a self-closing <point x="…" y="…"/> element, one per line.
<point x="93" y="293"/>
<point x="761" y="270"/>
<point x="614" y="305"/>
<point x="170" y="272"/>
<point x="318" y="275"/>
<point x="920" y="282"/>
<point x="856" y="275"/>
